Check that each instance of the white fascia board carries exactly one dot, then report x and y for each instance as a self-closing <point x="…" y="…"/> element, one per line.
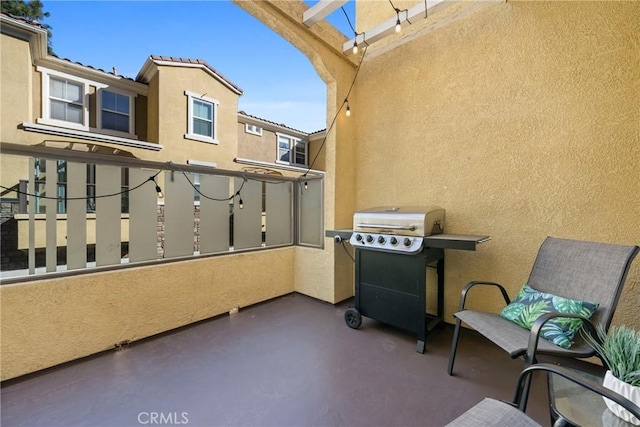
<point x="388" y="27"/>
<point x="89" y="136"/>
<point x="321" y="10"/>
<point x="36" y="36"/>
<point x="273" y="127"/>
<point x="282" y="166"/>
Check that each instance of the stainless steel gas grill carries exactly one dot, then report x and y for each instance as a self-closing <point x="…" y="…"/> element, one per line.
<point x="394" y="246"/>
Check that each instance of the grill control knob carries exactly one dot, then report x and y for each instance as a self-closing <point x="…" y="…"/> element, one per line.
<point x="407" y="242"/>
<point x="381" y="240"/>
<point x="369" y="238"/>
<point x="394" y="241"/>
<point x="358" y="237"/>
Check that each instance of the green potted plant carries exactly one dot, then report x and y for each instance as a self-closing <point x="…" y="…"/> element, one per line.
<point x="619" y="349"/>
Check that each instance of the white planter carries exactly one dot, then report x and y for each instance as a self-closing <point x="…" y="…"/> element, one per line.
<point x="626" y="390"/>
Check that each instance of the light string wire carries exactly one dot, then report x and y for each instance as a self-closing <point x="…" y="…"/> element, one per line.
<point x="152" y="178"/>
<point x="237" y="193"/>
<point x="406" y="12"/>
<point x="333" y="122"/>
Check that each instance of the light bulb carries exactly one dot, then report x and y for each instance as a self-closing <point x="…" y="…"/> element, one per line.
<point x="306" y="185"/>
<point x="355" y="47"/>
<point x="398" y="26"/>
<point x="240" y="204"/>
<point x="348" y="112"/>
<point x="159" y="191"/>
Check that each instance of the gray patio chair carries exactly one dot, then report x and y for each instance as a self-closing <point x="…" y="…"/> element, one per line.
<point x="492" y="412"/>
<point x="585" y="271"/>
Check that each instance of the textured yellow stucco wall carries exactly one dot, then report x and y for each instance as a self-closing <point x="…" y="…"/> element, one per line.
<point x="316" y="273"/>
<point x="170" y="102"/>
<point x="15" y="64"/>
<point x="48" y="322"/>
<point x="522" y="120"/>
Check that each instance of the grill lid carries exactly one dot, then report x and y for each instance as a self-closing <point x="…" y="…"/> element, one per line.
<point x="406" y="221"/>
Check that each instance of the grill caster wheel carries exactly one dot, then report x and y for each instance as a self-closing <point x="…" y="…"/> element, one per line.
<point x="353" y="318"/>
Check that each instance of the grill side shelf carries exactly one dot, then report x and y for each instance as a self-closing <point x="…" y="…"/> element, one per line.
<point x="344" y="234"/>
<point x="465" y="242"/>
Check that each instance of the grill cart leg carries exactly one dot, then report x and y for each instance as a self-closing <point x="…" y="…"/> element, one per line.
<point x="353" y="318"/>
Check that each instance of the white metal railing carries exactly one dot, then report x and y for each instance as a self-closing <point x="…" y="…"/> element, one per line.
<point x="108" y="211"/>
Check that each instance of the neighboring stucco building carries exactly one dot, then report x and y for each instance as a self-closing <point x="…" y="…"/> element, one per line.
<point x="176" y="109"/>
<point x="263" y="143"/>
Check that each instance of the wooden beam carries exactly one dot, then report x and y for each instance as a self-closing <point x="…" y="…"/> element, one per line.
<point x="321" y="10"/>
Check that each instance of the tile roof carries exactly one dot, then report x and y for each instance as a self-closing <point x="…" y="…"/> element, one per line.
<point x="23" y="19"/>
<point x="273" y="123"/>
<point x="113" y="72"/>
<point x="196" y="62"/>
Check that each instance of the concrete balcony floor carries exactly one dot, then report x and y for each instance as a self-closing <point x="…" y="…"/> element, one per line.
<point x="291" y="361"/>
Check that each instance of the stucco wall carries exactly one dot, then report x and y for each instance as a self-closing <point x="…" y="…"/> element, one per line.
<point x="171" y="104"/>
<point x="521" y="120"/>
<point x="15" y="91"/>
<point x="257" y="147"/>
<point x="53" y="321"/>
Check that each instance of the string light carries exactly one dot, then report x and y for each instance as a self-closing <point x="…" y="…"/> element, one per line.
<point x="101" y="196"/>
<point x="398" y="26"/>
<point x="355" y="45"/>
<point x="348" y="112"/>
<point x="333" y="122"/>
<point x="306" y="185"/>
<point x="158" y="189"/>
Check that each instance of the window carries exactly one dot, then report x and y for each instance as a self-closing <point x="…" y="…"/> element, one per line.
<point x="64" y="100"/>
<point x="253" y="129"/>
<point x="116" y="112"/>
<point x="65" y="97"/>
<point x="202" y="118"/>
<point x="291" y="150"/>
<point x="61" y="166"/>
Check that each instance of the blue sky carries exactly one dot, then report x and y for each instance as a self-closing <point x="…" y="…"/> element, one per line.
<point x="279" y="82"/>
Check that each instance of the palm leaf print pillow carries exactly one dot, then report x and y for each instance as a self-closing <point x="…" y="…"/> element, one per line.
<point x="530" y="304"/>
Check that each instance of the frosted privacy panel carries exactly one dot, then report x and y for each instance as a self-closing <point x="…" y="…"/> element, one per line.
<point x="31" y="206"/>
<point x="76" y="216"/>
<point x="51" y="206"/>
<point x="178" y="215"/>
<point x="279" y="213"/>
<point x="247" y="229"/>
<point x="143" y="217"/>
<point x="108" y="215"/>
<point x="310" y="211"/>
<point x="215" y="215"/>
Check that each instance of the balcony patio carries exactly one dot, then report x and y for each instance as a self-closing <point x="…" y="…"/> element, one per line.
<point x="290" y="361"/>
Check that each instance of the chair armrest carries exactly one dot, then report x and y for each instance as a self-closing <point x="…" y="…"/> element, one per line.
<point x="534" y="336"/>
<point x="470" y="285"/>
<point x="564" y="372"/>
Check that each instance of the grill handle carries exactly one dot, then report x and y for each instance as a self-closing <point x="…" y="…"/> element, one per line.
<point x="388" y="226"/>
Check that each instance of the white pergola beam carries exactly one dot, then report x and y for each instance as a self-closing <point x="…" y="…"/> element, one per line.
<point x="321" y="10"/>
<point x="388" y="27"/>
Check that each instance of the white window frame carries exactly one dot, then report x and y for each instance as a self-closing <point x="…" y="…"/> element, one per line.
<point x="46" y="119"/>
<point x="132" y="119"/>
<point x="293" y="142"/>
<point x="191" y="96"/>
<point x="253" y="129"/>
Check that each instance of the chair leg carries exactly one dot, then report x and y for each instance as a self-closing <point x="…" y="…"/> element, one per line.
<point x="454" y="346"/>
<point x="525" y="388"/>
